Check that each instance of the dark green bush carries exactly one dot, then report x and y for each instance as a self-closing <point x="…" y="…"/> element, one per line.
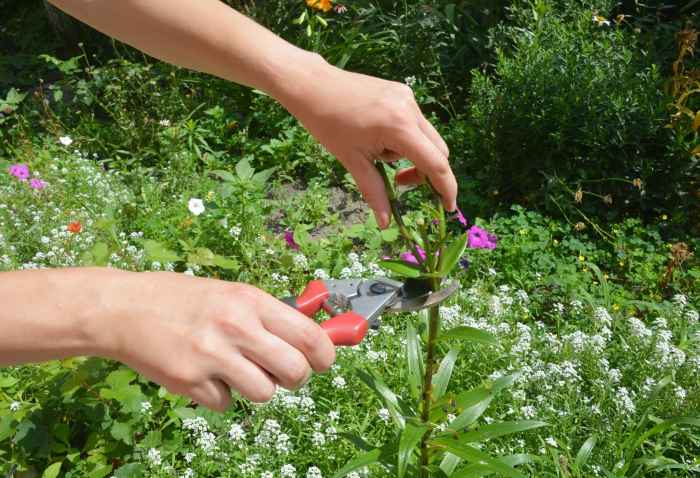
<point x="571" y="104"/>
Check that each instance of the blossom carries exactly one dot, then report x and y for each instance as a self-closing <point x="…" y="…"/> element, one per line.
<point x="323" y="5"/>
<point x="480" y="239"/>
<point x="36" y="183"/>
<point x="154" y="456"/>
<point x="409" y="257"/>
<point x="196" y="206"/>
<point x="289" y="237"/>
<point x="20" y="171"/>
<point x="15" y="406"/>
<point x="340" y="9"/>
<point x="75" y="227"/>
<point x="459" y="217"/>
<point x="65" y="140"/>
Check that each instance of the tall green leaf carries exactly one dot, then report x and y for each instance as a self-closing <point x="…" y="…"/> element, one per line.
<point x="410" y="436"/>
<point x="359" y="461"/>
<point x="493" y="430"/>
<point x="155" y="251"/>
<point x="53" y="470"/>
<point x="401" y="268"/>
<point x="385" y="394"/>
<point x="479" y="471"/>
<point x="469" y="453"/>
<point x="585" y="451"/>
<point x="442" y="377"/>
<point x="469" y="334"/>
<point x="415" y="362"/>
<point x="452" y="255"/>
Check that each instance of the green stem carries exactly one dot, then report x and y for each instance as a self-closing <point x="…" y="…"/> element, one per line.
<point x="430" y="363"/>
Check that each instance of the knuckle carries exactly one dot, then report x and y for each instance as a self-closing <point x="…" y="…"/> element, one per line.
<point x="262" y="393"/>
<point x="310" y="336"/>
<point x="296" y="374"/>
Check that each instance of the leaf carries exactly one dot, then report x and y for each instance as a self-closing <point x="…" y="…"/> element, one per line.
<point x="99" y="254"/>
<point x="415" y="362"/>
<point x="478" y="471"/>
<point x="120" y="378"/>
<point x="225" y="263"/>
<point x="493" y="430"/>
<point x="223" y="175"/>
<point x="155" y="251"/>
<point x="442" y="377"/>
<point x="53" y="470"/>
<point x="122" y="431"/>
<point x="100" y="471"/>
<point x="201" y="256"/>
<point x="244" y="170"/>
<point x="472" y="454"/>
<point x="401" y="268"/>
<point x="385" y="394"/>
<point x="476" y="401"/>
<point x="359" y="461"/>
<point x="452" y="255"/>
<point x="470" y="334"/>
<point x="357" y="440"/>
<point x="389" y="235"/>
<point x="6" y="382"/>
<point x="130" y="470"/>
<point x="585" y="451"/>
<point x="696" y="121"/>
<point x="261" y="178"/>
<point x="449" y="463"/>
<point x="410" y="436"/>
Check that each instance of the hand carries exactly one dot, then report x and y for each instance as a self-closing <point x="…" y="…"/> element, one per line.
<point x="202" y="337"/>
<point x="359" y="119"/>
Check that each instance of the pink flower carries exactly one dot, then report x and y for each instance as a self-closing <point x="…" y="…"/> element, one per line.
<point x="20" y="171"/>
<point x="36" y="183"/>
<point x="480" y="239"/>
<point x="340" y="9"/>
<point x="457" y="214"/>
<point x="410" y="257"/>
<point x="289" y="237"/>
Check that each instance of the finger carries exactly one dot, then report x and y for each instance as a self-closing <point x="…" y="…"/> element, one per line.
<point x="428" y="158"/>
<point x="213" y="394"/>
<point x="285" y="363"/>
<point x="389" y="156"/>
<point x="409" y="176"/>
<point x="299" y="331"/>
<point x="371" y="185"/>
<point x="247" y="378"/>
<point x="432" y="134"/>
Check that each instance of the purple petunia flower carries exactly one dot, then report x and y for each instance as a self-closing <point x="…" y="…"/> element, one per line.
<point x="20" y="171"/>
<point x="410" y="257"/>
<point x="36" y="183"/>
<point x="457" y="214"/>
<point x="289" y="237"/>
<point x="480" y="239"/>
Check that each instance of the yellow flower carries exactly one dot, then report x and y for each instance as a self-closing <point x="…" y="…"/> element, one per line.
<point x="210" y="195"/>
<point x="581" y="258"/>
<point x="622" y="263"/>
<point x="606" y="277"/>
<point x="323" y="5"/>
<point x="556" y="243"/>
<point x="615" y="307"/>
<point x="664" y="217"/>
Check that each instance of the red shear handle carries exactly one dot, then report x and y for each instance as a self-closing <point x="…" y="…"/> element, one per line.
<point x="311" y="300"/>
<point x="348" y="328"/>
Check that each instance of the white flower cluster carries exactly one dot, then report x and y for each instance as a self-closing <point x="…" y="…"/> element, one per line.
<point x="199" y="430"/>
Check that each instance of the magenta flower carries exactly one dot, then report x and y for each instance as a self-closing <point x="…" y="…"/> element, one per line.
<point x="36" y="183"/>
<point x="457" y="214"/>
<point x="289" y="237"/>
<point x="20" y="171"/>
<point x="480" y="239"/>
<point x="410" y="257"/>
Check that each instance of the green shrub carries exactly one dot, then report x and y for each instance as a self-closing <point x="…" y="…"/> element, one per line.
<point x="574" y="103"/>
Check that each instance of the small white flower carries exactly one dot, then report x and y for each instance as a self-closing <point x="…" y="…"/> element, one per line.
<point x="288" y="471"/>
<point x="15" y="406"/>
<point x="154" y="457"/>
<point x="383" y="415"/>
<point x="314" y="472"/>
<point x="196" y="206"/>
<point x="164" y="122"/>
<point x="410" y="80"/>
<point x="65" y="140"/>
<point x="146" y="407"/>
<point x="236" y="432"/>
<point x="235" y="232"/>
<point x="189" y="456"/>
<point x="321" y="274"/>
<point x="551" y="442"/>
<point x="189" y="272"/>
<point x="339" y="382"/>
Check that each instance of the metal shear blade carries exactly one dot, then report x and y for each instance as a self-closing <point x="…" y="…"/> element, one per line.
<point x="416" y="295"/>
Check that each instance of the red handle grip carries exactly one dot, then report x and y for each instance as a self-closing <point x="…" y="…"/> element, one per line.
<point x="313" y="297"/>
<point x="348" y="328"/>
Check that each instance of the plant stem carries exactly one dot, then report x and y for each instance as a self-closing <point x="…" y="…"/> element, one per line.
<point x="433" y="328"/>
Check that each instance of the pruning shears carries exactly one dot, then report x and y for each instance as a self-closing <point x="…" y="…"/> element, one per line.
<point x="355" y="305"/>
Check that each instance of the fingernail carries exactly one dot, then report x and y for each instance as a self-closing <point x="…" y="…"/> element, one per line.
<point x="382" y="219"/>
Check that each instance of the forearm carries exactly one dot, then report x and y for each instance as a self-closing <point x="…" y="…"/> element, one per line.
<point x="53" y="314"/>
<point x="204" y="35"/>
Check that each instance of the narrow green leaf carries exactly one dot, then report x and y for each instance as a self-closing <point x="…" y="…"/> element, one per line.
<point x="493" y="430"/>
<point x="475" y="402"/>
<point x="225" y="263"/>
<point x="442" y="377"/>
<point x="155" y="251"/>
<point x="357" y="440"/>
<point x="410" y="436"/>
<point x="261" y="178"/>
<point x="415" y="363"/>
<point x="52" y="470"/>
<point x="358" y="462"/>
<point x="401" y="268"/>
<point x="585" y="451"/>
<point x="452" y="254"/>
<point x="469" y="453"/>
<point x="479" y="471"/>
<point x="449" y="463"/>
<point x="470" y="334"/>
<point x="385" y="394"/>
